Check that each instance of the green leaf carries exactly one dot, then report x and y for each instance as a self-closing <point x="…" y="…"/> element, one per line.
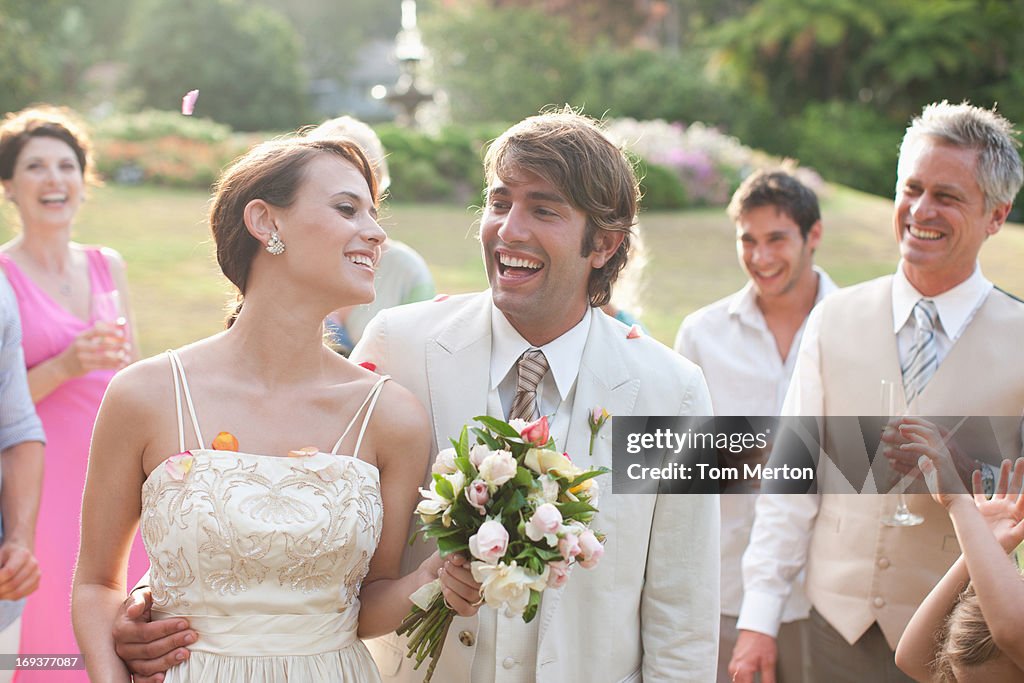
<point x="524" y="477"/>
<point x="572" y="509"/>
<point x="463" y="447"/>
<point x="443" y="487"/>
<point x="589" y="474"/>
<point x="531" y="607"/>
<point x="497" y="426"/>
<point x="449" y="545"/>
<point x="441" y="532"/>
<point x="466" y="467"/>
<point x="489" y="440"/>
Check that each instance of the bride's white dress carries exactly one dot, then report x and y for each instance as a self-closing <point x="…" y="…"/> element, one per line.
<point x="264" y="555"/>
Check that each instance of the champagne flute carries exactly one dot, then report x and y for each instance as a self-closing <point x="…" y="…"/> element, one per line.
<point x="108" y="308"/>
<point x="902" y="515"/>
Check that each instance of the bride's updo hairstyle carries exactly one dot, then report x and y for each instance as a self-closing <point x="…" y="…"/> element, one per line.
<point x="271" y="171"/>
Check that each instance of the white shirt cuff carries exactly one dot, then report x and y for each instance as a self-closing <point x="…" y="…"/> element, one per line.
<point x="761" y="612"/>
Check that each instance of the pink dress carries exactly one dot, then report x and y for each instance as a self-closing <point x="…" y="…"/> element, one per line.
<point x="68" y="415"/>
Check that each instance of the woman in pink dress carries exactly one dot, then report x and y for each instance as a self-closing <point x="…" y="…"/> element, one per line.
<point x="77" y="333"/>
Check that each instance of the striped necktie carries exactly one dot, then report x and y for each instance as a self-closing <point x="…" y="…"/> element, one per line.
<point x="531" y="367"/>
<point x="923" y="359"/>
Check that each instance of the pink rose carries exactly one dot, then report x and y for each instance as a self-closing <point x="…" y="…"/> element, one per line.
<point x="497" y="468"/>
<point x="537" y="432"/>
<point x="558" y="574"/>
<point x="569" y="546"/>
<point x="545" y="523"/>
<point x="489" y="543"/>
<point x="591" y="549"/>
<point x="477" y="495"/>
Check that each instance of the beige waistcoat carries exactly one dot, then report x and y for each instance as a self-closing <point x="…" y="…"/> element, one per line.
<point x="859" y="570"/>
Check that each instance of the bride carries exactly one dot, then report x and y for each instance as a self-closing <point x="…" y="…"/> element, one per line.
<point x="260" y="461"/>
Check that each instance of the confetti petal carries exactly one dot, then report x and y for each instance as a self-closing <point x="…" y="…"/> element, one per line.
<point x="332" y="472"/>
<point x="440" y="297"/>
<point x="178" y="466"/>
<point x="372" y="367"/>
<point x="634" y="332"/>
<point x="304" y="452"/>
<point x="188" y="102"/>
<point x="225" y="441"/>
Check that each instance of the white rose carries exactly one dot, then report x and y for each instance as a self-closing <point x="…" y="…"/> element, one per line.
<point x="478" y="453"/>
<point x="497" y="468"/>
<point x="508" y="586"/>
<point x="444" y="463"/>
<point x="458" y="481"/>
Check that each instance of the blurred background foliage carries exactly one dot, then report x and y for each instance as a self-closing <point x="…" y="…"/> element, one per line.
<point x="831" y="83"/>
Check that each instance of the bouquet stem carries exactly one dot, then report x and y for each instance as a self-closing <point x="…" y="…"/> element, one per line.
<point x="427" y="631"/>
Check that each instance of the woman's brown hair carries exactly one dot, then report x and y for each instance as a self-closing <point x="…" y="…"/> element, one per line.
<point x="44" y="120"/>
<point x="273" y="172"/>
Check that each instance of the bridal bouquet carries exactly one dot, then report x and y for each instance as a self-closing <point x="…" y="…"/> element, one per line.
<point x="518" y="508"/>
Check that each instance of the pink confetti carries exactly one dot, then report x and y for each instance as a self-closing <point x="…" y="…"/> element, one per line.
<point x="188" y="102"/>
<point x="440" y="297"/>
<point x="634" y="332"/>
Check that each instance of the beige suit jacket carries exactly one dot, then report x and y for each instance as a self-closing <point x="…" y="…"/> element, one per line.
<point x="649" y="610"/>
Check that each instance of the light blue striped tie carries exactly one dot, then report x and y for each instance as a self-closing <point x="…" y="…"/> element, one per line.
<point x="923" y="359"/>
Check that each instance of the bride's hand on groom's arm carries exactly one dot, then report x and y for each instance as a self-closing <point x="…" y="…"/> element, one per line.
<point x="147" y="647"/>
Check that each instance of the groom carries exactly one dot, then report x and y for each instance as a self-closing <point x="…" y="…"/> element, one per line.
<point x="555" y="233"/>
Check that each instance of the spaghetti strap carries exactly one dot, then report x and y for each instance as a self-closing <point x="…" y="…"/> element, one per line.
<point x="371" y="401"/>
<point x="181" y="383"/>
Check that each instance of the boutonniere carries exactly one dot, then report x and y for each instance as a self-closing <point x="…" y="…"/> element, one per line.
<point x="596" y="419"/>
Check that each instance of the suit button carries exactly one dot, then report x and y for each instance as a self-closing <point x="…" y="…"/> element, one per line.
<point x="883" y="563"/>
<point x="508" y="662"/>
<point x="467" y="638"/>
<point x="879" y="602"/>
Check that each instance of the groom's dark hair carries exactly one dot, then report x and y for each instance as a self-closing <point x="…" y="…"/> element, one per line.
<point x="570" y="151"/>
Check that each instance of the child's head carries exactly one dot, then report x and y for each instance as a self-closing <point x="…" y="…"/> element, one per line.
<point x="967" y="652"/>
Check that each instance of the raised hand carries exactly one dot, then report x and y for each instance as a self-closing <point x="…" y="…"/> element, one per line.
<point x="926" y="443"/>
<point x="1004" y="512"/>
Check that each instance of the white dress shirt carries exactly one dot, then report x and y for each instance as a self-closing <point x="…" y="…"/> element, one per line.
<point x="513" y="659"/>
<point x="732" y="344"/>
<point x="782" y="528"/>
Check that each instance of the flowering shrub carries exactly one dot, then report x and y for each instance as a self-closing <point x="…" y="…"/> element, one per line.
<point x="708" y="164"/>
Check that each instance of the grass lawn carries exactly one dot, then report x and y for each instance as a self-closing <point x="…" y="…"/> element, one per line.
<point x="179" y="294"/>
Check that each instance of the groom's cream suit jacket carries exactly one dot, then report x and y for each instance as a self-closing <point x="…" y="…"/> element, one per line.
<point x="649" y="610"/>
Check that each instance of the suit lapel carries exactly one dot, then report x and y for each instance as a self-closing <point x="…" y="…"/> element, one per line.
<point x="458" y="370"/>
<point x="603" y="381"/>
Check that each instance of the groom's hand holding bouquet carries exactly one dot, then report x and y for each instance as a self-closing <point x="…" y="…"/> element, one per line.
<point x="521" y="511"/>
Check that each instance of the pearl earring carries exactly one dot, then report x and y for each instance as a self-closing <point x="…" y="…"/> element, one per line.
<point x="275" y="245"/>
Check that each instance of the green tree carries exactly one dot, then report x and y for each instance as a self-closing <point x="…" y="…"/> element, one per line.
<point x="501" y="64"/>
<point x="29" y="64"/>
<point x="243" y="59"/>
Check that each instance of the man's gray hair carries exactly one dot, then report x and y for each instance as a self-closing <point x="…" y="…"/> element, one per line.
<point x="999" y="173"/>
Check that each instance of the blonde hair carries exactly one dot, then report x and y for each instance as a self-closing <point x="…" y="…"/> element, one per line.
<point x="965" y="640"/>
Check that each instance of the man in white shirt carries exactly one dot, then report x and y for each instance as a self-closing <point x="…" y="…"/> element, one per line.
<point x="949" y="341"/>
<point x="746" y="345"/>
